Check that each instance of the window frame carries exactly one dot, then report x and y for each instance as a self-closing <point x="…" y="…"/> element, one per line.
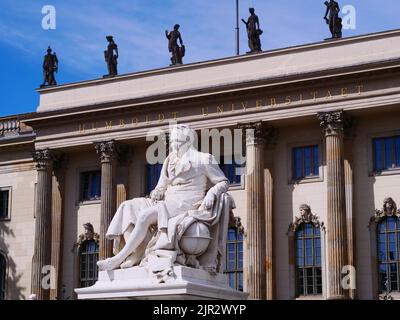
<point x="290" y="162"/>
<point x="305" y="267"/>
<point x="236" y="271"/>
<point x="382" y="152"/>
<point x="80" y="198"/>
<point x="9" y="189"/>
<point x="371" y="153"/>
<point x="234" y="186"/>
<point x="82" y="246"/>
<point x="388" y="261"/>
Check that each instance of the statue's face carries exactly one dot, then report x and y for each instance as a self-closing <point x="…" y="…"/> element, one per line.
<point x="88" y="234"/>
<point x="179" y="137"/>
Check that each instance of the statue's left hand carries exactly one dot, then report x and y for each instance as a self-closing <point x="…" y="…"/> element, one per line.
<point x="208" y="201"/>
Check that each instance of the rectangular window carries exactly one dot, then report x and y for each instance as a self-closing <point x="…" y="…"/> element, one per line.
<point x="305" y="162"/>
<point x="90" y="185"/>
<point x="5" y="201"/>
<point x="153" y="175"/>
<point x="386" y="153"/>
<point x="231" y="171"/>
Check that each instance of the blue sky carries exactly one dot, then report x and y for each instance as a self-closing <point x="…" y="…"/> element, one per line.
<point x="138" y="26"/>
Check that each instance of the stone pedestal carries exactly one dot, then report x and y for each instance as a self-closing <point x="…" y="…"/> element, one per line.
<point x="139" y="283"/>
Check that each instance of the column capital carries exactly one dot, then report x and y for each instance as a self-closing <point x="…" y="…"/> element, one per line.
<point x="334" y="122"/>
<point x="259" y="133"/>
<point x="44" y="159"/>
<point x="107" y="150"/>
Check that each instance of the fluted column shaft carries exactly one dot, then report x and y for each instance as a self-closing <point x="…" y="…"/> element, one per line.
<point x="57" y="223"/>
<point x="107" y="152"/>
<point x="42" y="246"/>
<point x="255" y="235"/>
<point x="333" y="125"/>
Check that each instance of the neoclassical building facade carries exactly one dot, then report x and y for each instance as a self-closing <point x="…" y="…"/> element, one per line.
<point x="316" y="214"/>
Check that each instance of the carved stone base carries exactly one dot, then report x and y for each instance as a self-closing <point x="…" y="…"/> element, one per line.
<point x="179" y="283"/>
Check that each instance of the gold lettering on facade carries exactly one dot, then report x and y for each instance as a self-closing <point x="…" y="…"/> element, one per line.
<point x="244" y="105"/>
<point x="205" y="111"/>
<point x="273" y="102"/>
<point x="288" y="100"/>
<point x="360" y="88"/>
<point x="94" y="126"/>
<point x="122" y="123"/>
<point x="328" y="94"/>
<point x="147" y="120"/>
<point x="109" y="125"/>
<point x="135" y="121"/>
<point x="259" y="104"/>
<point x="81" y="128"/>
<point x="314" y="95"/>
<point x="161" y="117"/>
<point x="233" y="107"/>
<point x="220" y="108"/>
<point x="175" y="115"/>
<point x="344" y="93"/>
<point x="301" y="97"/>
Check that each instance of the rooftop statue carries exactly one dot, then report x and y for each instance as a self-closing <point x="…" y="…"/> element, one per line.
<point x="111" y="56"/>
<point x="50" y="65"/>
<point x="184" y="219"/>
<point x="334" y="21"/>
<point x="253" y="31"/>
<point x="178" y="52"/>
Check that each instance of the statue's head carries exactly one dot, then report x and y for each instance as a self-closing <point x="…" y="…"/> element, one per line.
<point x="89" y="231"/>
<point x="110" y="38"/>
<point x="176" y="27"/>
<point x="49" y="50"/>
<point x="252" y="10"/>
<point x="389" y="206"/>
<point x="181" y="136"/>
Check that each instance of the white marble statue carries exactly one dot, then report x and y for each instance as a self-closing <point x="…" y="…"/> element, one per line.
<point x="189" y="204"/>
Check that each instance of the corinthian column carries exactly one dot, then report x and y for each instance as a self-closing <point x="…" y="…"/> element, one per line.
<point x="333" y="124"/>
<point x="107" y="152"/>
<point x="42" y="246"/>
<point x="255" y="235"/>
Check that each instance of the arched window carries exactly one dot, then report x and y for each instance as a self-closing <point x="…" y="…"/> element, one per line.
<point x="3" y="276"/>
<point x="308" y="260"/>
<point x="388" y="238"/>
<point x="234" y="257"/>
<point x="88" y="257"/>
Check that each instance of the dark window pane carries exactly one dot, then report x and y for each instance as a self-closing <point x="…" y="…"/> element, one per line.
<point x="4" y="203"/>
<point x="234" y="261"/>
<point x="316" y="161"/>
<point x="388" y="153"/>
<point x="88" y="263"/>
<point x="307" y="162"/>
<point x="378" y="145"/>
<point x="397" y="151"/>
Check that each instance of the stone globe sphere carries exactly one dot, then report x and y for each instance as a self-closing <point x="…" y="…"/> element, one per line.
<point x="196" y="239"/>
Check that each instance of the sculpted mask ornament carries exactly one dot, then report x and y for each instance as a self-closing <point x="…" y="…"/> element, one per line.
<point x="88" y="234"/>
<point x="389" y="209"/>
<point x="305" y="216"/>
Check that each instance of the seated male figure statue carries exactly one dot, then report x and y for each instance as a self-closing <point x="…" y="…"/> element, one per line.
<point x="184" y="185"/>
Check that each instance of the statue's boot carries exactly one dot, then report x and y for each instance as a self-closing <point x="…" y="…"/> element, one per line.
<point x="163" y="243"/>
<point x="109" y="264"/>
